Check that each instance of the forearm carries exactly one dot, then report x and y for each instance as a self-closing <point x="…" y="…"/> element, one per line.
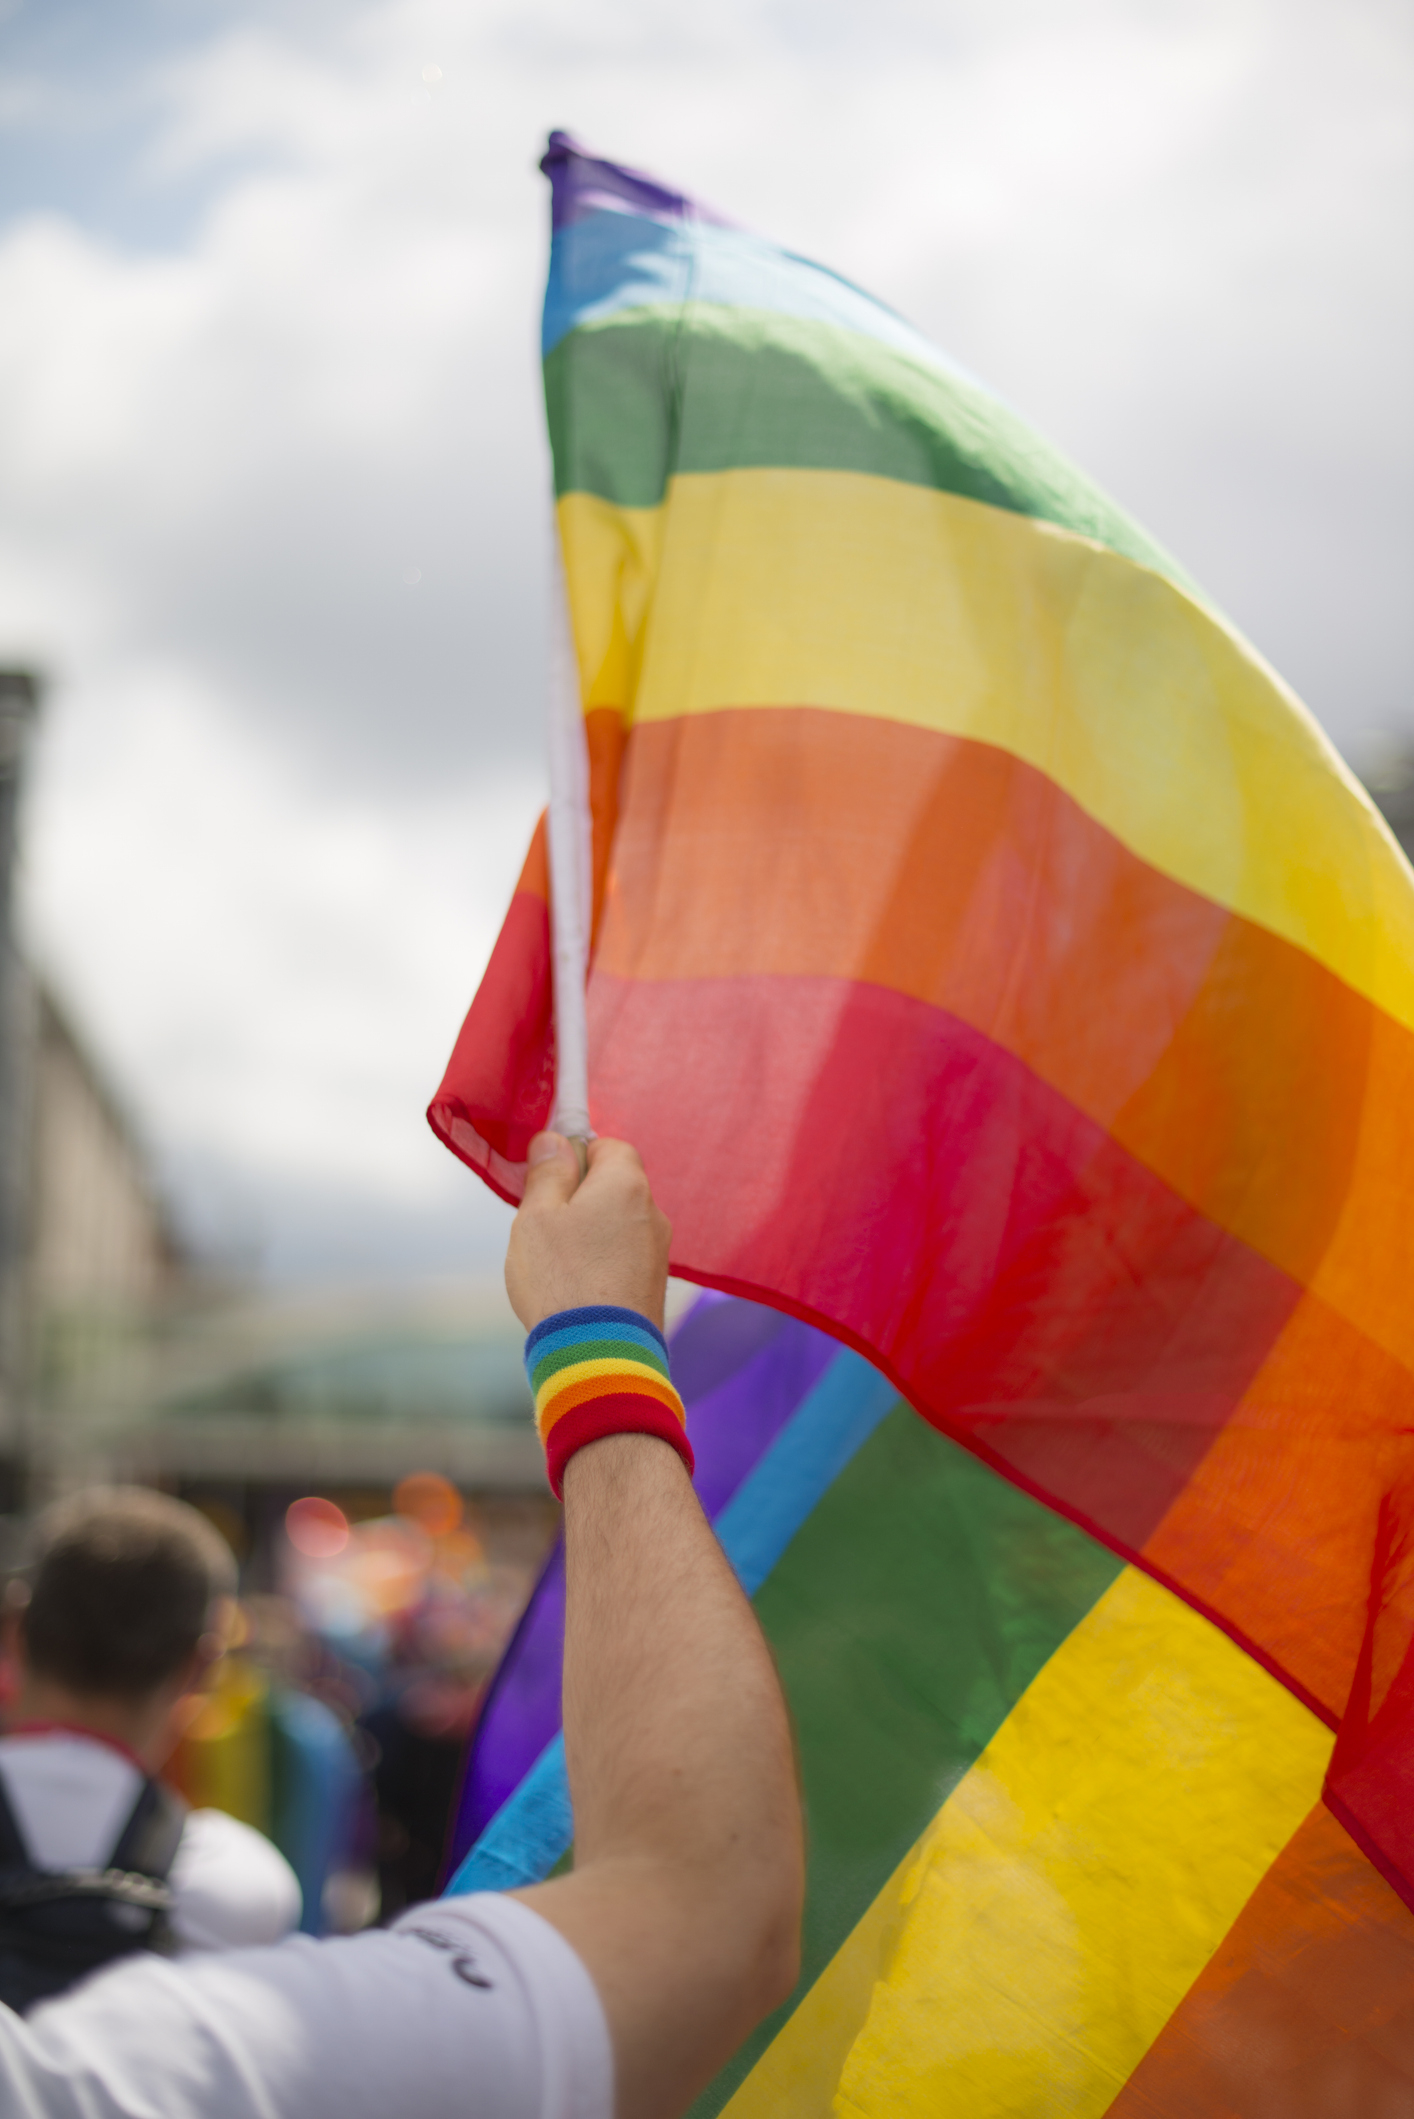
<point x="687" y="1820"/>
<point x="676" y="1734"/>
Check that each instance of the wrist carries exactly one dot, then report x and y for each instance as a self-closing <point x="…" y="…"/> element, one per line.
<point x="601" y="1370"/>
<point x="619" y="1471"/>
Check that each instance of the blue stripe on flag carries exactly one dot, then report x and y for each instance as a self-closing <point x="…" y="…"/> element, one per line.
<point x="614" y="261"/>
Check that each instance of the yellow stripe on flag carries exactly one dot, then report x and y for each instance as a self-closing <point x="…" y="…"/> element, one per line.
<point x="1070" y="1890"/>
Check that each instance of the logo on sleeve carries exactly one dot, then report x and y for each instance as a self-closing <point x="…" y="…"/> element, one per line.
<point x="463" y="1961"/>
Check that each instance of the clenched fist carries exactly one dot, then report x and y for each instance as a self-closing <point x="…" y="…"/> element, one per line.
<point x="599" y="1239"/>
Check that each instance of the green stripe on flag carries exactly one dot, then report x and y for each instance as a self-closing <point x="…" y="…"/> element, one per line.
<point x="907" y="1616"/>
<point x="654" y="392"/>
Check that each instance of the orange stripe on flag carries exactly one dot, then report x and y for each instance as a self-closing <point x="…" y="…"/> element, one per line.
<point x="1251" y="1079"/>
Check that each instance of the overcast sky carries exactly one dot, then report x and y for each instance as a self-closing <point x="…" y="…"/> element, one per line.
<point x="273" y="478"/>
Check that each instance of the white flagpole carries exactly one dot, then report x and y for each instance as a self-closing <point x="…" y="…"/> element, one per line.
<point x="571" y="880"/>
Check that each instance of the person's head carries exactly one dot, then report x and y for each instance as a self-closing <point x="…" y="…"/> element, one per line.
<point x="124" y="1591"/>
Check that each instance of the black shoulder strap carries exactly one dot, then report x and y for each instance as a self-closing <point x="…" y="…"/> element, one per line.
<point x="148" y="1841"/>
<point x="14" y="1854"/>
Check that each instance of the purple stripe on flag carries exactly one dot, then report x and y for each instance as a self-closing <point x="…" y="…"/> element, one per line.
<point x="580" y="184"/>
<point x="742" y="1370"/>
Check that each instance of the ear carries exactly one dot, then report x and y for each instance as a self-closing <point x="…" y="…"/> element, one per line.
<point x="227" y="1627"/>
<point x="198" y="1665"/>
<point x="225" y="1630"/>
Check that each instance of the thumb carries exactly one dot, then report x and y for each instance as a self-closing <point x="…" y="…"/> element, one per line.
<point x="552" y="1173"/>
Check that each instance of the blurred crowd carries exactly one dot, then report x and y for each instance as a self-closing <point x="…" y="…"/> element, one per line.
<point x="337" y="1720"/>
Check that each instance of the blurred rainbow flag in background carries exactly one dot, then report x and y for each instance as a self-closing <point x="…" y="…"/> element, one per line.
<point x="997" y="968"/>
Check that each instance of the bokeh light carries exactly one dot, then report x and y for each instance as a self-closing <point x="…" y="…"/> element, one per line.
<point x="316" y="1527"/>
<point x="430" y="1501"/>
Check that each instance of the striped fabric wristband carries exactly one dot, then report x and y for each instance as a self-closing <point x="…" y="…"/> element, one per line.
<point x="601" y="1371"/>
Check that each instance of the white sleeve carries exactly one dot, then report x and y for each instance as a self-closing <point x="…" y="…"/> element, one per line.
<point x="469" y="2008"/>
<point x="231" y="1888"/>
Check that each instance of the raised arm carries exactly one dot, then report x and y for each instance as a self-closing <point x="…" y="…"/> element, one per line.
<point x="685" y="1898"/>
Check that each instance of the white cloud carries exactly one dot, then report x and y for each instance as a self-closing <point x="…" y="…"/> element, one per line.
<point x="285" y="968"/>
<point x="284" y="791"/>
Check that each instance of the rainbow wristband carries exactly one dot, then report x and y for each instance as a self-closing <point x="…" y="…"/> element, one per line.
<point x="601" y="1371"/>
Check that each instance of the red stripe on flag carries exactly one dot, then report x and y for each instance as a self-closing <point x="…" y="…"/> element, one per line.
<point x="1029" y="1282"/>
<point x="500" y="1081"/>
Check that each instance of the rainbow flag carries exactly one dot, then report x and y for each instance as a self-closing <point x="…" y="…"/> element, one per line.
<point x="997" y="968"/>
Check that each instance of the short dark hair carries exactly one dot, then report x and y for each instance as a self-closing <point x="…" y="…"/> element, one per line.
<point x="122" y="1581"/>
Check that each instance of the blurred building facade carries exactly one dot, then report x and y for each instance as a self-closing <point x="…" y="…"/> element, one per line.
<point x="101" y="1260"/>
<point x="99" y="1236"/>
<point x="19" y="697"/>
